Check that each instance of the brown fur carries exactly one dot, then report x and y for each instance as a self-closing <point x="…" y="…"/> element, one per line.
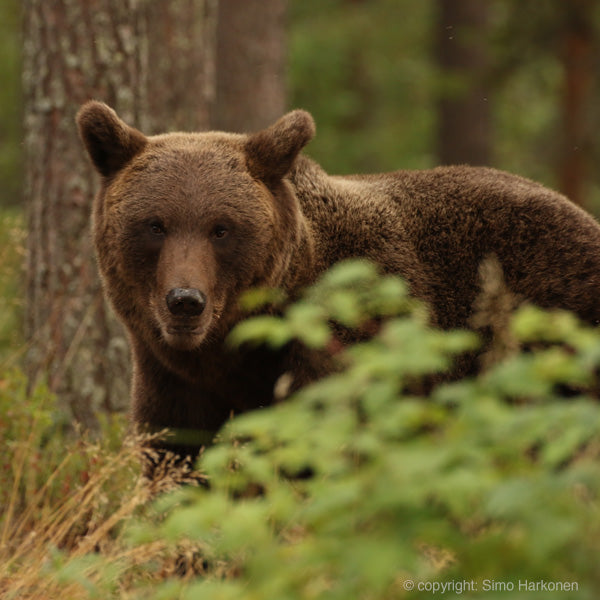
<point x="165" y="201"/>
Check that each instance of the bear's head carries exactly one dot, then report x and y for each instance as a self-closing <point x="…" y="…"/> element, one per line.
<point x="184" y="222"/>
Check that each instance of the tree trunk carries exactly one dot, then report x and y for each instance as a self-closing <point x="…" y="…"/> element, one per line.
<point x="116" y="51"/>
<point x="179" y="57"/>
<point x="579" y="59"/>
<point x="464" y="114"/>
<point x="251" y="59"/>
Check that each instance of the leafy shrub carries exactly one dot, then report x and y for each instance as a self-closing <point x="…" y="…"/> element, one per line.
<point x="361" y="487"/>
<point x="378" y="482"/>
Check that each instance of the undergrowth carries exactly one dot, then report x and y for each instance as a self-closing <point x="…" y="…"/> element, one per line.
<point x="12" y="254"/>
<point x="374" y="483"/>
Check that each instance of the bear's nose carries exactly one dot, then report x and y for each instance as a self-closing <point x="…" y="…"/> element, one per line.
<point x="186" y="302"/>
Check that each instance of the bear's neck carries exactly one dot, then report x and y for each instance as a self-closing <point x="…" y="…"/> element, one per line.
<point x="341" y="214"/>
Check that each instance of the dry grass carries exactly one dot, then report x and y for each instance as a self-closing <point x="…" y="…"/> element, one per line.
<point x="65" y="500"/>
<point x="73" y="547"/>
<point x="493" y="309"/>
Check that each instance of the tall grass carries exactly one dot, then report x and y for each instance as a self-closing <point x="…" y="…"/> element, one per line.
<point x="62" y="496"/>
<point x="65" y="496"/>
<point x="66" y="500"/>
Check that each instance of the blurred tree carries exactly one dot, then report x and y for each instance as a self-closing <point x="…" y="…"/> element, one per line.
<point x="251" y="61"/>
<point x="138" y="57"/>
<point x="363" y="68"/>
<point x="464" y="100"/>
<point x="548" y="61"/>
<point x="155" y="62"/>
<point x="10" y="105"/>
<point x="578" y="51"/>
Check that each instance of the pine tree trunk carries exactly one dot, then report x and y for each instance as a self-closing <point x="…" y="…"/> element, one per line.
<point x="179" y="64"/>
<point x="464" y="113"/>
<point x="115" y="51"/>
<point x="251" y="59"/>
<point x="579" y="62"/>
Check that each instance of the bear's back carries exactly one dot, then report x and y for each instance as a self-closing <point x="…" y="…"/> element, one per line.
<point x="434" y="227"/>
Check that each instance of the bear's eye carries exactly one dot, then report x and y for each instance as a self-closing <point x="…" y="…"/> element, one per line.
<point x="157" y="228"/>
<point x="220" y="231"/>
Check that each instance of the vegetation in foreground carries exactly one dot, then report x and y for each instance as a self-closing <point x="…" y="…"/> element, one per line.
<point x="376" y="482"/>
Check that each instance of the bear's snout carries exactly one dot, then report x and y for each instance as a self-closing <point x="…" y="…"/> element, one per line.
<point x="186" y="302"/>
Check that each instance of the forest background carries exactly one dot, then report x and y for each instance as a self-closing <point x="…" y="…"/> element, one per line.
<point x="392" y="84"/>
<point x="372" y="75"/>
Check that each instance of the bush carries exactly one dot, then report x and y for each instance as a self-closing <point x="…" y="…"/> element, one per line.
<point x="361" y="487"/>
<point x="378" y="482"/>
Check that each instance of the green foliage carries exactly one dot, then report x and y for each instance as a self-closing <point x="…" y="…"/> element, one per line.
<point x="368" y="73"/>
<point x="360" y="484"/>
<point x="349" y="296"/>
<point x="379" y="477"/>
<point x="12" y="254"/>
<point x="10" y="103"/>
<point x="364" y="69"/>
<point x="26" y="421"/>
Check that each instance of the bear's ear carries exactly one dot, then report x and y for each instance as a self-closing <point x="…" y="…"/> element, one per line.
<point x="270" y="153"/>
<point x="110" y="142"/>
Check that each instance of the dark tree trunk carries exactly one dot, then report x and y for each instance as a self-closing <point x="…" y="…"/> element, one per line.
<point x="115" y="51"/>
<point x="251" y="58"/>
<point x="578" y="58"/>
<point x="464" y="112"/>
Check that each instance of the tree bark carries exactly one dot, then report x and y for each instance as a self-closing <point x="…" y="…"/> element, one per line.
<point x="115" y="51"/>
<point x="578" y="59"/>
<point x="251" y="59"/>
<point x="179" y="55"/>
<point x="464" y="112"/>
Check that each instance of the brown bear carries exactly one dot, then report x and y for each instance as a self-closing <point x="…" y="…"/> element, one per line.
<point x="183" y="223"/>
